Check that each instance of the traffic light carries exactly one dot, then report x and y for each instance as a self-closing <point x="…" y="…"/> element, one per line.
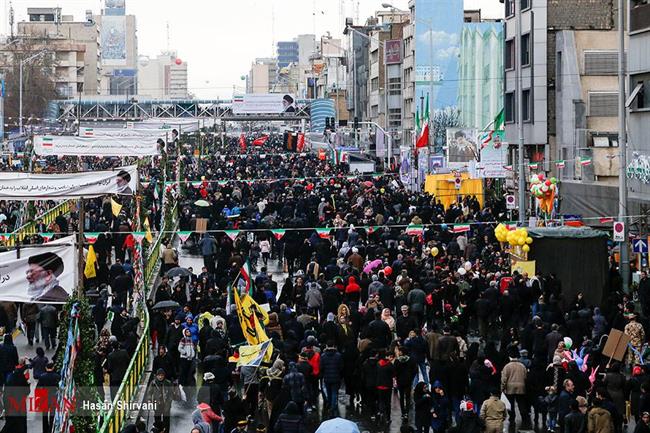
<point x="356" y="123"/>
<point x="327" y="123"/>
<point x="333" y="124"/>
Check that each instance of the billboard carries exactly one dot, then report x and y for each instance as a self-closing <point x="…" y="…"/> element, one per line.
<point x="46" y="274"/>
<point x="265" y="103"/>
<point x="37" y="186"/>
<point x="113" y="37"/>
<point x="494" y="156"/>
<point x="461" y="147"/>
<point x="91" y="145"/>
<point x="438" y="27"/>
<point x="115" y="7"/>
<point x="394" y="52"/>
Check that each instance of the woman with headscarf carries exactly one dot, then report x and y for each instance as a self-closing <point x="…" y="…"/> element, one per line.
<point x="387" y="318"/>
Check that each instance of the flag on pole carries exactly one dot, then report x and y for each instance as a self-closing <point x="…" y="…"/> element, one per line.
<point x="278" y="233"/>
<point x="139" y="236"/>
<point x="497" y="125"/>
<point x="423" y="138"/>
<point x="253" y="355"/>
<point x="533" y="165"/>
<point x="460" y="228"/>
<point x="261" y="140"/>
<point x="414" y="230"/>
<point x="47" y="236"/>
<point x="585" y="161"/>
<point x="252" y="329"/>
<point x="115" y="207"/>
<point x="560" y="164"/>
<point x="323" y="233"/>
<point x="90" y="271"/>
<point x="244" y="284"/>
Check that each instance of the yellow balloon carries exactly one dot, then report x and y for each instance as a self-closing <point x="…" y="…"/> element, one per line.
<point x="526" y="248"/>
<point x="524" y="233"/>
<point x="521" y="241"/>
<point x="434" y="251"/>
<point x="529" y="240"/>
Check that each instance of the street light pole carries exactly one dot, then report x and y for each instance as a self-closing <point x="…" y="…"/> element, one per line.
<point x="622" y="148"/>
<point x="520" y="119"/>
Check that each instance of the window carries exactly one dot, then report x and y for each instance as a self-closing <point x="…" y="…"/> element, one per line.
<point x="525" y="4"/>
<point x="525" y="50"/>
<point x="527" y="105"/>
<point x="510" y="107"/>
<point x="603" y="104"/>
<point x="510" y="8"/>
<point x="510" y="54"/>
<point x="639" y="16"/>
<point x="558" y="71"/>
<point x="374" y="84"/>
<point x="639" y="98"/>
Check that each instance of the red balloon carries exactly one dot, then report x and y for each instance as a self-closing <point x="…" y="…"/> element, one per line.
<point x="547" y="183"/>
<point x="540" y="176"/>
<point x="388" y="270"/>
<point x="179" y="61"/>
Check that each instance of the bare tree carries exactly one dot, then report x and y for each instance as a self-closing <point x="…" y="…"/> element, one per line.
<point x="39" y="85"/>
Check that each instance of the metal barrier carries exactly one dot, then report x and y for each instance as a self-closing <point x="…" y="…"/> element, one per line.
<point x="29" y="229"/>
<point x="116" y="417"/>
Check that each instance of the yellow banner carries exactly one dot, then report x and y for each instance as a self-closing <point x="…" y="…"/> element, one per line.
<point x="523" y="266"/>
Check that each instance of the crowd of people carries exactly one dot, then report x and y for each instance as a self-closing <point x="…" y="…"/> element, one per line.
<point x="368" y="312"/>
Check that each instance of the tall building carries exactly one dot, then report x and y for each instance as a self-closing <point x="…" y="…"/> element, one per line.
<point x="162" y="77"/>
<point x="328" y="66"/>
<point x="569" y="90"/>
<point x="358" y="65"/>
<point x="262" y="75"/>
<point x="408" y="78"/>
<point x="75" y="45"/>
<point x="288" y="52"/>
<point x="638" y="120"/>
<point x="119" y="53"/>
<point x="481" y="74"/>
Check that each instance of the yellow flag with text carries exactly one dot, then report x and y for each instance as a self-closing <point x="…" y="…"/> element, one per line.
<point x="147" y="228"/>
<point x="251" y="328"/>
<point x="116" y="207"/>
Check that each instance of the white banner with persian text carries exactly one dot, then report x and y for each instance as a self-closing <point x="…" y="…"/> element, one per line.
<point x="35" y="186"/>
<point x="65" y="145"/>
<point x="44" y="274"/>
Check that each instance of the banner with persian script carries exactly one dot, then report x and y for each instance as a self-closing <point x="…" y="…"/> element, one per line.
<point x="65" y="145"/>
<point x="36" y="186"/>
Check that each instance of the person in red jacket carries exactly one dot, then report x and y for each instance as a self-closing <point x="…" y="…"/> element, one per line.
<point x="352" y="291"/>
<point x="385" y="374"/>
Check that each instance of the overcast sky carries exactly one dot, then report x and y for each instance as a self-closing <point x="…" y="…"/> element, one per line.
<point x="220" y="38"/>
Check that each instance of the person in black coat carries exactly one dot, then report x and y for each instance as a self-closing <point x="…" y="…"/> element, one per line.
<point x="50" y="382"/>
<point x="423" y="403"/>
<point x="117" y="362"/>
<point x="164" y="360"/>
<point x="575" y="421"/>
<point x="8" y="356"/>
<point x="405" y="371"/>
<point x="15" y="400"/>
<point x="385" y="373"/>
<point x="469" y="420"/>
<point x="331" y="368"/>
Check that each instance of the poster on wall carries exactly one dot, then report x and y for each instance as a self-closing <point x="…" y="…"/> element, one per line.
<point x="437" y="48"/>
<point x="461" y="147"/>
<point x="113" y="38"/>
<point x="45" y="274"/>
<point x="494" y="156"/>
<point x="37" y="186"/>
<point x="406" y="165"/>
<point x="65" y="145"/>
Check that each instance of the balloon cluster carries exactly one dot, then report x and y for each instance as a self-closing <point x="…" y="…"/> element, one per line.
<point x="541" y="187"/>
<point x="465" y="268"/>
<point x="544" y="190"/>
<point x="516" y="238"/>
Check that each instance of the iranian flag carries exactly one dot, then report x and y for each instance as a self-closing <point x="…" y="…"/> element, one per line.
<point x="606" y="220"/>
<point x="222" y="182"/>
<point x="245" y="283"/>
<point x="47" y="236"/>
<point x="533" y="165"/>
<point x="232" y="234"/>
<point x="372" y="229"/>
<point x="278" y="233"/>
<point x="560" y="164"/>
<point x="460" y="228"/>
<point x="585" y="161"/>
<point x="184" y="236"/>
<point x="48" y="141"/>
<point x="196" y="183"/>
<point x="414" y="230"/>
<point x="508" y="167"/>
<point x="423" y="134"/>
<point x="323" y="233"/>
<point x="89" y="132"/>
<point x="91" y="237"/>
<point x="511" y="226"/>
<point x="260" y="141"/>
<point x="139" y="236"/>
<point x="496" y="125"/>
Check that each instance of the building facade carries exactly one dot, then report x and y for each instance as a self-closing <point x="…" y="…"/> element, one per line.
<point x="638" y="120"/>
<point x="76" y="47"/>
<point x="163" y="77"/>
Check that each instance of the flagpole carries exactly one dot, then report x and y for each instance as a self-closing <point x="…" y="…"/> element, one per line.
<point x="80" y="248"/>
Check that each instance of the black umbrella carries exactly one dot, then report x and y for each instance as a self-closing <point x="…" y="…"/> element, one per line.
<point x="166" y="304"/>
<point x="178" y="272"/>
